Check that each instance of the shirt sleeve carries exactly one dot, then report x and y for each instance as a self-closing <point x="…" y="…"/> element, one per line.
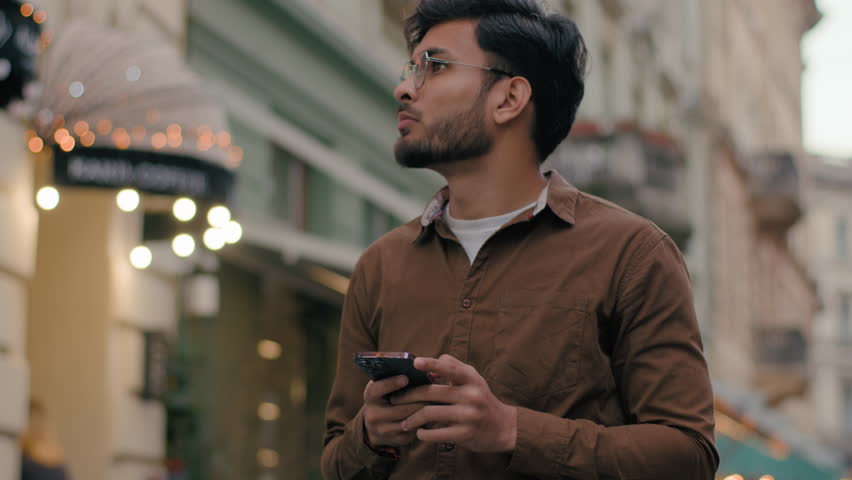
<point x="663" y="382"/>
<point x="346" y="455"/>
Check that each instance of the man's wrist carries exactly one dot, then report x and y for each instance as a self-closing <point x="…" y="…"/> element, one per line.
<point x="510" y="430"/>
<point x="380" y="450"/>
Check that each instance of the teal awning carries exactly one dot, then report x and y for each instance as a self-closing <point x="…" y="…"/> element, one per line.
<point x="751" y="459"/>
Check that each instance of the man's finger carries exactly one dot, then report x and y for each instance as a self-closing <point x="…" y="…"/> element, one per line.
<point x="444" y="414"/>
<point x="453" y="433"/>
<point x="375" y="391"/>
<point x="395" y="413"/>
<point x="424" y="394"/>
<point x="447" y="367"/>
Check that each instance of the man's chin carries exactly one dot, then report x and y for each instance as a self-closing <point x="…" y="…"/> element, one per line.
<point x="410" y="156"/>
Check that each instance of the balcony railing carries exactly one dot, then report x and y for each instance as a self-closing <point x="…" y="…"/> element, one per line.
<point x="774" y="180"/>
<point x="641" y="171"/>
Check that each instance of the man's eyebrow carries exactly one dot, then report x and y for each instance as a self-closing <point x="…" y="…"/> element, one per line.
<point x="435" y="51"/>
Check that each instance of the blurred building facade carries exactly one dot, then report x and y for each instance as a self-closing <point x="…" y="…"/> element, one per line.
<point x="691" y="118"/>
<point x="252" y="328"/>
<point x="824" y="241"/>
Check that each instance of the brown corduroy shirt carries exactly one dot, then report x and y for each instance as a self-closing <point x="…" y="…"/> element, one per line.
<point x="577" y="312"/>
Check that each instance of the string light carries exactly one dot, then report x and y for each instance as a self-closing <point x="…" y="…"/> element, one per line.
<point x="127" y="200"/>
<point x="40" y="16"/>
<point x="47" y="198"/>
<point x="103" y="127"/>
<point x="35" y="144"/>
<point x="223" y="139"/>
<point x="218" y="216"/>
<point x="268" y="411"/>
<point x="76" y="89"/>
<point x="121" y="139"/>
<point x="267" y="458"/>
<point x="268" y="349"/>
<point x="214" y="238"/>
<point x="67" y="143"/>
<point x="233" y="232"/>
<point x="87" y="139"/>
<point x="138" y="133"/>
<point x="27" y="9"/>
<point x="60" y="135"/>
<point x="81" y="128"/>
<point x="158" y="140"/>
<point x="183" y="245"/>
<point x="184" y="209"/>
<point x="141" y="257"/>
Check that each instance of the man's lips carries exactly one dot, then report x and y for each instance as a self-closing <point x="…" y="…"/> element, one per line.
<point x="405" y="121"/>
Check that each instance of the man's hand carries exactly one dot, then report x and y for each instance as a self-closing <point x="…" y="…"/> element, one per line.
<point x="381" y="419"/>
<point x="466" y="411"/>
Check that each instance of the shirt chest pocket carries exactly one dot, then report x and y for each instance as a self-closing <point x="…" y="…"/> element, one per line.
<point x="537" y="344"/>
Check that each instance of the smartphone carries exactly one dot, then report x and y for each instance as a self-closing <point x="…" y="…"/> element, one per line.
<point x="380" y="365"/>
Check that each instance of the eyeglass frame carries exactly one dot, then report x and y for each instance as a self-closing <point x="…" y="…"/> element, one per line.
<point x="418" y="84"/>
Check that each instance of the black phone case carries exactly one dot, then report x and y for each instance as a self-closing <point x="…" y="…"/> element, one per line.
<point x="379" y="368"/>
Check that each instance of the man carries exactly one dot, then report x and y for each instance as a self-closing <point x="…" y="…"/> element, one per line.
<point x="560" y="328"/>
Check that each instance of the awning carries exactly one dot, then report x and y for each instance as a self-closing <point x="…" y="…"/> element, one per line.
<point x="754" y="440"/>
<point x="122" y="110"/>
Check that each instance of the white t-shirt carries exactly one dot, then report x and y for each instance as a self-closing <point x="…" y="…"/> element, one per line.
<point x="473" y="233"/>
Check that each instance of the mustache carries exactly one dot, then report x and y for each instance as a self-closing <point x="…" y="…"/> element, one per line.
<point x="407" y="109"/>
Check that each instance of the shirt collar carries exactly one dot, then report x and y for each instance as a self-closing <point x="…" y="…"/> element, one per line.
<point x="558" y="194"/>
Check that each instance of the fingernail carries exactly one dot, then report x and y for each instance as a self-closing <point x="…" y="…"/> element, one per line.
<point x="403" y="381"/>
<point x="404" y="426"/>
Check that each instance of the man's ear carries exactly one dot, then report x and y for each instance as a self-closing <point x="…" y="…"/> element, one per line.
<point x="514" y="96"/>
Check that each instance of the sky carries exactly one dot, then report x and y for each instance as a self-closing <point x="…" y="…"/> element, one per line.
<point x="827" y="82"/>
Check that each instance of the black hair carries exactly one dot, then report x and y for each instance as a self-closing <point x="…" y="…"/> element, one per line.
<point x="546" y="49"/>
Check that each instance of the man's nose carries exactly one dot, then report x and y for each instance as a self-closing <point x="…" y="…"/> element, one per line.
<point x="405" y="91"/>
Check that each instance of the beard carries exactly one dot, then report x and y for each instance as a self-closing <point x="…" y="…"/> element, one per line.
<point x="450" y="140"/>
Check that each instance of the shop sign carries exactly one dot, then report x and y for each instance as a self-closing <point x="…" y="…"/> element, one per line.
<point x="155" y="381"/>
<point x="150" y="172"/>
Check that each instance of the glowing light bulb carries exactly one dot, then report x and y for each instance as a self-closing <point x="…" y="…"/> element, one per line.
<point x="183" y="245"/>
<point x="140" y="257"/>
<point x="268" y="411"/>
<point x="127" y="200"/>
<point x="35" y="144"/>
<point x="47" y="198"/>
<point x="76" y="89"/>
<point x="184" y="209"/>
<point x="218" y="216"/>
<point x="268" y="349"/>
<point x="233" y="232"/>
<point x="214" y="238"/>
<point x="267" y="457"/>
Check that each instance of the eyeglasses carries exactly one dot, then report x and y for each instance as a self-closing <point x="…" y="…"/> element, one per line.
<point x="427" y="62"/>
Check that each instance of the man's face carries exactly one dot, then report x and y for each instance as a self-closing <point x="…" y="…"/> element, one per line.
<point x="444" y="121"/>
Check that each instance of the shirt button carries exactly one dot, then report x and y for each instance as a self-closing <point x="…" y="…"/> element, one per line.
<point x="467" y="303"/>
<point x="448" y="447"/>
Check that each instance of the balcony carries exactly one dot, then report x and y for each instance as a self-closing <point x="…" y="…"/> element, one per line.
<point x="641" y="171"/>
<point x="774" y="182"/>
<point x="781" y="358"/>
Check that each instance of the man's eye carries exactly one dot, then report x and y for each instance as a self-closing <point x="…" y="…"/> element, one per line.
<point x="437" y="66"/>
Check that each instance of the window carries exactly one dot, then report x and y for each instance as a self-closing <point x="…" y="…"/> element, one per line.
<point x="845" y="318"/>
<point x="847" y="406"/>
<point x="841" y="237"/>
<point x="289" y="202"/>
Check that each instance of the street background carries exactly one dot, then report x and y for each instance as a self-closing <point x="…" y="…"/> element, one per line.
<point x="186" y="185"/>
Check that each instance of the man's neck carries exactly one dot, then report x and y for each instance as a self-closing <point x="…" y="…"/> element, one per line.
<point x="482" y="190"/>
